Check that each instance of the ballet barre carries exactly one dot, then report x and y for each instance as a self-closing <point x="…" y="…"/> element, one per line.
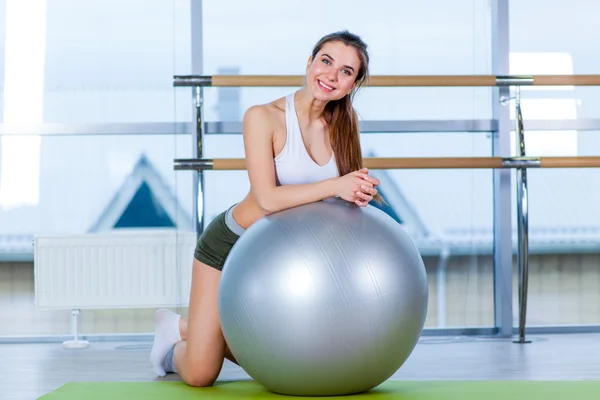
<point x="391" y="80"/>
<point x="233" y="164"/>
<point x="521" y="162"/>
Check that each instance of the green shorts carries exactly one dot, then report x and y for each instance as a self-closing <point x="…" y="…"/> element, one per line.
<point x="218" y="238"/>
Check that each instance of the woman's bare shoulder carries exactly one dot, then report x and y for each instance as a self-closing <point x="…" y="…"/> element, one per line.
<point x="267" y="112"/>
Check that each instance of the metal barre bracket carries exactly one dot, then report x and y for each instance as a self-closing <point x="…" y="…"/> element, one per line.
<point x="506" y="80"/>
<point x="192" y="80"/>
<point x="193" y="164"/>
<point x="521" y="162"/>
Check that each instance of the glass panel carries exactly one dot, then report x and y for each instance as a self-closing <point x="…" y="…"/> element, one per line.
<point x="448" y="213"/>
<point x="551" y="103"/>
<point x="564" y="239"/>
<point x="98" y="62"/>
<point x="538" y="47"/>
<point x="115" y="186"/>
<point x="462" y="32"/>
<point x="123" y="74"/>
<point x="81" y="176"/>
<point x="564" y="236"/>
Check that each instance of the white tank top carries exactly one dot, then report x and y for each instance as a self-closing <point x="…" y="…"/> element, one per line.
<point x="294" y="165"/>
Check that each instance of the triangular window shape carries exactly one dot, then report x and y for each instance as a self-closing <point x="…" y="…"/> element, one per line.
<point x="143" y="211"/>
<point x="144" y="200"/>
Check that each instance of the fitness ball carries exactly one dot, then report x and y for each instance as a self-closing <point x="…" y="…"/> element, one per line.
<point x="323" y="299"/>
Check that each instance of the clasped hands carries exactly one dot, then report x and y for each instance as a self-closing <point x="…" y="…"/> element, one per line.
<point x="358" y="187"/>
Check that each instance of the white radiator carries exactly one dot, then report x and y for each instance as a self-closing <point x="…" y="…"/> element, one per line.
<point x="113" y="270"/>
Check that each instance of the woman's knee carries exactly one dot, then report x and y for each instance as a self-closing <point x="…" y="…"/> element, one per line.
<point x="201" y="374"/>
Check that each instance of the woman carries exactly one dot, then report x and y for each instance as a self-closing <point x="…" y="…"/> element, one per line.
<point x="299" y="149"/>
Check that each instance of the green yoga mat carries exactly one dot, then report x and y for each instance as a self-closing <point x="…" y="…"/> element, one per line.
<point x="404" y="390"/>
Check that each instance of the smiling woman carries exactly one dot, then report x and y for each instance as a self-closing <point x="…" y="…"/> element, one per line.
<point x="338" y="66"/>
<point x="300" y="149"/>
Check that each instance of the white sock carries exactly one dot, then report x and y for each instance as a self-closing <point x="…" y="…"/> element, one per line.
<point x="166" y="334"/>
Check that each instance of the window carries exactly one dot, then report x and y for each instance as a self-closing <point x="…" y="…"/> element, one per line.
<point x="546" y="103"/>
<point x="426" y="37"/>
<point x="111" y="61"/>
<point x="24" y="55"/>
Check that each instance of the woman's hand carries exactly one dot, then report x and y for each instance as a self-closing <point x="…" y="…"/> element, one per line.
<point x="366" y="193"/>
<point x="357" y="187"/>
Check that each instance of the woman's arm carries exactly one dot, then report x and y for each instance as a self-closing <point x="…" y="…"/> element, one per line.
<point x="258" y="144"/>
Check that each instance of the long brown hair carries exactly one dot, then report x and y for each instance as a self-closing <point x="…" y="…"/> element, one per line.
<point x="340" y="115"/>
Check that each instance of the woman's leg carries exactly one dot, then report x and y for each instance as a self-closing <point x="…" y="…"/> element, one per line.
<point x="183" y="333"/>
<point x="199" y="359"/>
<point x="192" y="347"/>
<point x="195" y="348"/>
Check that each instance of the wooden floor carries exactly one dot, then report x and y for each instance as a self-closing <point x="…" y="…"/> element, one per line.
<point x="28" y="371"/>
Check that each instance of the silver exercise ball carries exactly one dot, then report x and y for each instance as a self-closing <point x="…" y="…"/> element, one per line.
<point x="323" y="299"/>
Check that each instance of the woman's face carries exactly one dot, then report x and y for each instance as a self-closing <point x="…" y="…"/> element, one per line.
<point x="332" y="73"/>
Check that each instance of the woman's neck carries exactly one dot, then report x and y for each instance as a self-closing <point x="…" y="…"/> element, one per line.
<point x="308" y="107"/>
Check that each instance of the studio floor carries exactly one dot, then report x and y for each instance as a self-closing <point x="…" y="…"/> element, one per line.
<point x="28" y="371"/>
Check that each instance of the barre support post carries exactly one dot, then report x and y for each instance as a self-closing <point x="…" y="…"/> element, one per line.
<point x="199" y="150"/>
<point x="522" y="221"/>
